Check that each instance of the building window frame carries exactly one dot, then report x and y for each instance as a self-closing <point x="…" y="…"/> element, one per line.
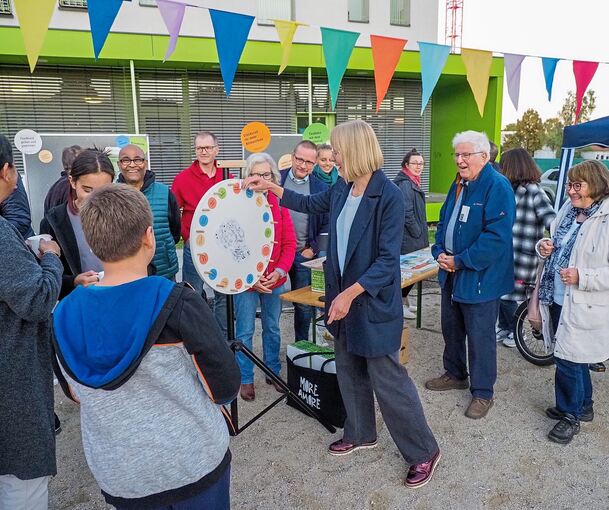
<point x="6" y="8"/>
<point x="148" y="3"/>
<point x="264" y="16"/>
<point x="364" y="8"/>
<point x="78" y="5"/>
<point x="394" y="18"/>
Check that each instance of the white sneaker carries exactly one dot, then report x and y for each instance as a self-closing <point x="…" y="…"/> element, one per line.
<point x="509" y="341"/>
<point x="407" y="313"/>
<point x="413" y="308"/>
<point x="502" y="334"/>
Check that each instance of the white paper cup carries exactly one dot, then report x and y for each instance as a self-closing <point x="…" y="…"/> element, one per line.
<point x="35" y="241"/>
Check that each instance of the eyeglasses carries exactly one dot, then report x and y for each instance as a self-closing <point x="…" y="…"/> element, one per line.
<point x="301" y="161"/>
<point x="267" y="176"/>
<point x="207" y="148"/>
<point x="576" y="186"/>
<point x="465" y="155"/>
<point x="419" y="163"/>
<point x="135" y="161"/>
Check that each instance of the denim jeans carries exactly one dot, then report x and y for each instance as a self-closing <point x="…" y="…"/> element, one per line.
<point x="469" y="339"/>
<point x="507" y="309"/>
<point x="217" y="303"/>
<point x="270" y="311"/>
<point x="572" y="382"/>
<point x="300" y="276"/>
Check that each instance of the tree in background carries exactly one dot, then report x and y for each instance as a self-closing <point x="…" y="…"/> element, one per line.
<point x="528" y="133"/>
<point x="567" y="112"/>
<point x="552" y="133"/>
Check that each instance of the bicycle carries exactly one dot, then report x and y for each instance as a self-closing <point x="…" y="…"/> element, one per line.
<point x="530" y="341"/>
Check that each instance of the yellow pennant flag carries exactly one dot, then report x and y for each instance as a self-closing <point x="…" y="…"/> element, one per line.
<point x="34" y="17"/>
<point x="285" y="31"/>
<point x="478" y="69"/>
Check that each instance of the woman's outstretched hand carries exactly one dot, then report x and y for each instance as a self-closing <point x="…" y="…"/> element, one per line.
<point x="257" y="183"/>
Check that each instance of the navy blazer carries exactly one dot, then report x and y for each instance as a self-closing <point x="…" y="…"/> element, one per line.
<point x="373" y="326"/>
<point x="318" y="223"/>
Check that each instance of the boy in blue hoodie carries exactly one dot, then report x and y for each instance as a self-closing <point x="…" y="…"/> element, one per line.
<point x="149" y="366"/>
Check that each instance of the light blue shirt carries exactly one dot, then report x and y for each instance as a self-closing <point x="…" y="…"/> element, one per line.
<point x="450" y="228"/>
<point x="559" y="287"/>
<point x="343" y="227"/>
<point x="296" y="180"/>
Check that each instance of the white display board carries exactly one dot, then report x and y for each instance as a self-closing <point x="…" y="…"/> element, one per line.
<point x="231" y="237"/>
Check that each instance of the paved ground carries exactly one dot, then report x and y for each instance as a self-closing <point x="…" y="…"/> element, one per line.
<point x="501" y="462"/>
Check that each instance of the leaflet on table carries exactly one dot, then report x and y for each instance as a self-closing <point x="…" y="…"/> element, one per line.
<point x="419" y="261"/>
<point x="315" y="263"/>
<point x="316" y="361"/>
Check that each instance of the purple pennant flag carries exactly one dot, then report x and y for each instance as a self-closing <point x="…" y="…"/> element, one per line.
<point x="173" y="14"/>
<point x="512" y="65"/>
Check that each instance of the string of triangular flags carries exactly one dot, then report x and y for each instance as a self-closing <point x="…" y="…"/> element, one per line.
<point x="231" y="30"/>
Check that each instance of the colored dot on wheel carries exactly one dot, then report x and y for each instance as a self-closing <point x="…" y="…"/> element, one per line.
<point x="203" y="220"/>
<point x="212" y="203"/>
<point x="213" y="273"/>
<point x="268" y="232"/>
<point x="238" y="283"/>
<point x="260" y="267"/>
<point x="259" y="201"/>
<point x="266" y="251"/>
<point x="249" y="193"/>
<point x="200" y="239"/>
<point x="222" y="192"/>
<point x="265" y="217"/>
<point x="203" y="258"/>
<point x="236" y="188"/>
<point x="249" y="279"/>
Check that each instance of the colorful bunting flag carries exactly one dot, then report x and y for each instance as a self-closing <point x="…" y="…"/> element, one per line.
<point x="549" y="68"/>
<point x="231" y="30"/>
<point x="34" y="17"/>
<point x="173" y="15"/>
<point x="433" y="57"/>
<point x="285" y="31"/>
<point x="102" y="14"/>
<point x="386" y="53"/>
<point x="337" y="46"/>
<point x="513" y="65"/>
<point x="584" y="72"/>
<point x="478" y="69"/>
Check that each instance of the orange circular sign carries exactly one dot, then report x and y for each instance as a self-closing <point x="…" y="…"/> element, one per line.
<point x="255" y="137"/>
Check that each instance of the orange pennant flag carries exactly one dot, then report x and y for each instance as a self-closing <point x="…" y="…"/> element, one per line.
<point x="386" y="53"/>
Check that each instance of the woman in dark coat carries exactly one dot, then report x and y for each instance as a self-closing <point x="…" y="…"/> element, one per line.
<point x="363" y="304"/>
<point x="415" y="217"/>
<point x="28" y="291"/>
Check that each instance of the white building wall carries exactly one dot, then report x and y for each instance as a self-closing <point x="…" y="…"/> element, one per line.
<point x="133" y="18"/>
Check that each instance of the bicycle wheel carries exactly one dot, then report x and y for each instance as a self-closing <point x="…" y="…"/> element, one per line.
<point x="529" y="341"/>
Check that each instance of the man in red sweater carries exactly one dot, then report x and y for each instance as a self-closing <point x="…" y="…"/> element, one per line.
<point x="188" y="187"/>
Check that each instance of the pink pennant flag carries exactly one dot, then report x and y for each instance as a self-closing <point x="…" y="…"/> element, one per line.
<point x="173" y="15"/>
<point x="512" y="65"/>
<point x="584" y="72"/>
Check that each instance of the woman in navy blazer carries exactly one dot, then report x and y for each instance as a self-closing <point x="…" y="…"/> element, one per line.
<point x="363" y="299"/>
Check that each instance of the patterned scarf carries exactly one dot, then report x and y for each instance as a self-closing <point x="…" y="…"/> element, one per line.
<point x="557" y="260"/>
<point x="413" y="177"/>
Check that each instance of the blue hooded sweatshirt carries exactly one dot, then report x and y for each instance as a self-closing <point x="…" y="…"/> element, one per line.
<point x="101" y="331"/>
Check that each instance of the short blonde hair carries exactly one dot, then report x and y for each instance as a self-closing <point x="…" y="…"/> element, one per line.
<point x="359" y="148"/>
<point x="114" y="220"/>
<point x="595" y="174"/>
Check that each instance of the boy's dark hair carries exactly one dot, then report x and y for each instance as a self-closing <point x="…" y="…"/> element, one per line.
<point x="519" y="167"/>
<point x="409" y="154"/>
<point x="114" y="219"/>
<point x="6" y="151"/>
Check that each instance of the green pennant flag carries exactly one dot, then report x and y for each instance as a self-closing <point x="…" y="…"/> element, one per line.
<point x="34" y="17"/>
<point x="338" y="46"/>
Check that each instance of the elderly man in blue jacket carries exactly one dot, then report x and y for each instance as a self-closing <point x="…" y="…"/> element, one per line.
<point x="474" y="249"/>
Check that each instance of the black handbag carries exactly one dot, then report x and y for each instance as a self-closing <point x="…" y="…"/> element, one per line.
<point x="316" y="388"/>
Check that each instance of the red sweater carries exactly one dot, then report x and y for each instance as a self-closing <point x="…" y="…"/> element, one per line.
<point x="188" y="187"/>
<point x="284" y="248"/>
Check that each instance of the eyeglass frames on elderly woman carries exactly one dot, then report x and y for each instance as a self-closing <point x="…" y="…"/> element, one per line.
<point x="577" y="186"/>
<point x="465" y="155"/>
<point x="267" y="176"/>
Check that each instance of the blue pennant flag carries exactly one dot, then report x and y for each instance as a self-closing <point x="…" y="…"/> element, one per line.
<point x="101" y="16"/>
<point x="231" y="31"/>
<point x="433" y="57"/>
<point x="549" y="68"/>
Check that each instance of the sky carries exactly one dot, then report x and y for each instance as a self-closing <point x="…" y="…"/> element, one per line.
<point x="548" y="28"/>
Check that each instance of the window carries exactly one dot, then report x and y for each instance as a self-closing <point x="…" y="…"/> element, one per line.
<point x="400" y="13"/>
<point x="148" y="3"/>
<point x="5" y="8"/>
<point x="269" y="10"/>
<point x="359" y="11"/>
<point x="73" y="4"/>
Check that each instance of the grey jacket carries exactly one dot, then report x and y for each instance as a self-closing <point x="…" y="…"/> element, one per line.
<point x="415" y="217"/>
<point x="28" y="292"/>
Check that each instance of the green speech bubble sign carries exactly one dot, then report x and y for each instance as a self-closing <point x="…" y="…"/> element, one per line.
<point x="316" y="133"/>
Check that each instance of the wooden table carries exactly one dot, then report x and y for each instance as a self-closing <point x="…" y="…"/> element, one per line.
<point x="305" y="296"/>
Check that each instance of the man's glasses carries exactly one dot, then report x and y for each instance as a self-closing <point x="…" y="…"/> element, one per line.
<point x="465" y="155"/>
<point x="267" y="176"/>
<point x="135" y="161"/>
<point x="576" y="186"/>
<point x="306" y="162"/>
<point x="207" y="148"/>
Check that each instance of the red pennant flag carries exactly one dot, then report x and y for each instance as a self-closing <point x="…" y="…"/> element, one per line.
<point x="584" y="72"/>
<point x="386" y="53"/>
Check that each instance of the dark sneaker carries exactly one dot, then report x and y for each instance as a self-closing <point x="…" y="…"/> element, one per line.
<point x="342" y="447"/>
<point x="554" y="414"/>
<point x="564" y="430"/>
<point x="478" y="408"/>
<point x="419" y="474"/>
<point x="445" y="382"/>
<point x="597" y="367"/>
<point x="57" y="425"/>
<point x="277" y="386"/>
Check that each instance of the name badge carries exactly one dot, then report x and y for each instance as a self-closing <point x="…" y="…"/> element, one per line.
<point x="464" y="214"/>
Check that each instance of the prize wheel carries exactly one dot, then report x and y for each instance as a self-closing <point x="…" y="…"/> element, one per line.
<point x="231" y="237"/>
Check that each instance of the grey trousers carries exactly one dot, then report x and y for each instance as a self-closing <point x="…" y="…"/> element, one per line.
<point x="359" y="380"/>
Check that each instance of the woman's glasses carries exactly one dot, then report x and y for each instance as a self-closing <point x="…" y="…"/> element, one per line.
<point x="576" y="186"/>
<point x="267" y="176"/>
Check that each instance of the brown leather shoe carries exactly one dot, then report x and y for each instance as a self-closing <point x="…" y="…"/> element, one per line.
<point x="445" y="382"/>
<point x="478" y="408"/>
<point x="247" y="392"/>
<point x="275" y="385"/>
